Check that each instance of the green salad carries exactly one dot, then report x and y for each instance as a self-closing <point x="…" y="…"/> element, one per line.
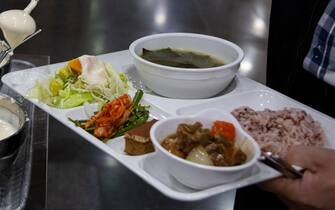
<point x="82" y="80"/>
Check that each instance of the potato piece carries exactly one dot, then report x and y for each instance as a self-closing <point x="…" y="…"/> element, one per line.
<point x="199" y="155"/>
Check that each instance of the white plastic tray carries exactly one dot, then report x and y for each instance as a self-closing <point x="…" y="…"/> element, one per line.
<point x="148" y="167"/>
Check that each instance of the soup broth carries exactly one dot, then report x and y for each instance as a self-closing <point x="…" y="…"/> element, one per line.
<point x="180" y="58"/>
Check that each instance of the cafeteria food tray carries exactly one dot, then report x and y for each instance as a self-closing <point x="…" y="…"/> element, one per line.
<point x="148" y="166"/>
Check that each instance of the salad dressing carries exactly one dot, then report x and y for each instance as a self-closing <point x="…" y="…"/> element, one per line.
<point x="93" y="70"/>
<point x="6" y="129"/>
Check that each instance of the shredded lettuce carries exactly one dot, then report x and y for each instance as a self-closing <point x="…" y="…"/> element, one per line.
<point x="68" y="90"/>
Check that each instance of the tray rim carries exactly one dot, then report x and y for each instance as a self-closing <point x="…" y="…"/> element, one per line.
<point x="264" y="90"/>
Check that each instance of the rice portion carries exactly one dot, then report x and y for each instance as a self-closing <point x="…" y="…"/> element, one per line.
<point x="278" y="131"/>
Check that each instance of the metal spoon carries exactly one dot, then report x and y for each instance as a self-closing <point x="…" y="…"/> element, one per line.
<point x="3" y="54"/>
<point x="279" y="164"/>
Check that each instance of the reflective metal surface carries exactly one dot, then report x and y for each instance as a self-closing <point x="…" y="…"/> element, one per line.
<point x="81" y="176"/>
<point x="23" y="185"/>
<point x="4" y="64"/>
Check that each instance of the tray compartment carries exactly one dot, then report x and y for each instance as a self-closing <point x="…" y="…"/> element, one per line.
<point x="260" y="100"/>
<point x="115" y="144"/>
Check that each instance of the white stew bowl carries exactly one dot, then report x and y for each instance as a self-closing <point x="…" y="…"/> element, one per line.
<point x="187" y="83"/>
<point x="199" y="176"/>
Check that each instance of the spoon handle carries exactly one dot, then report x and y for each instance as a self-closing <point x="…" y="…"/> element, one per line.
<point x="281" y="165"/>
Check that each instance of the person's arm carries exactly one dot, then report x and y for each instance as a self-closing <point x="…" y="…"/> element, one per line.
<point x="316" y="189"/>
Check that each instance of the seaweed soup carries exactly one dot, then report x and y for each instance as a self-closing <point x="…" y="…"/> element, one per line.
<point x="180" y="58"/>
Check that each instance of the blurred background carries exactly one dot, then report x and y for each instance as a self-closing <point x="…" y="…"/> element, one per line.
<point x="79" y="175"/>
<point x="76" y="27"/>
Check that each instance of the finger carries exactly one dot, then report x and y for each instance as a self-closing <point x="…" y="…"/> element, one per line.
<point x="311" y="158"/>
<point x="284" y="187"/>
<point x="295" y="206"/>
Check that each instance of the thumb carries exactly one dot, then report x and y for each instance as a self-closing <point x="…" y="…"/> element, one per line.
<point x="310" y="158"/>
